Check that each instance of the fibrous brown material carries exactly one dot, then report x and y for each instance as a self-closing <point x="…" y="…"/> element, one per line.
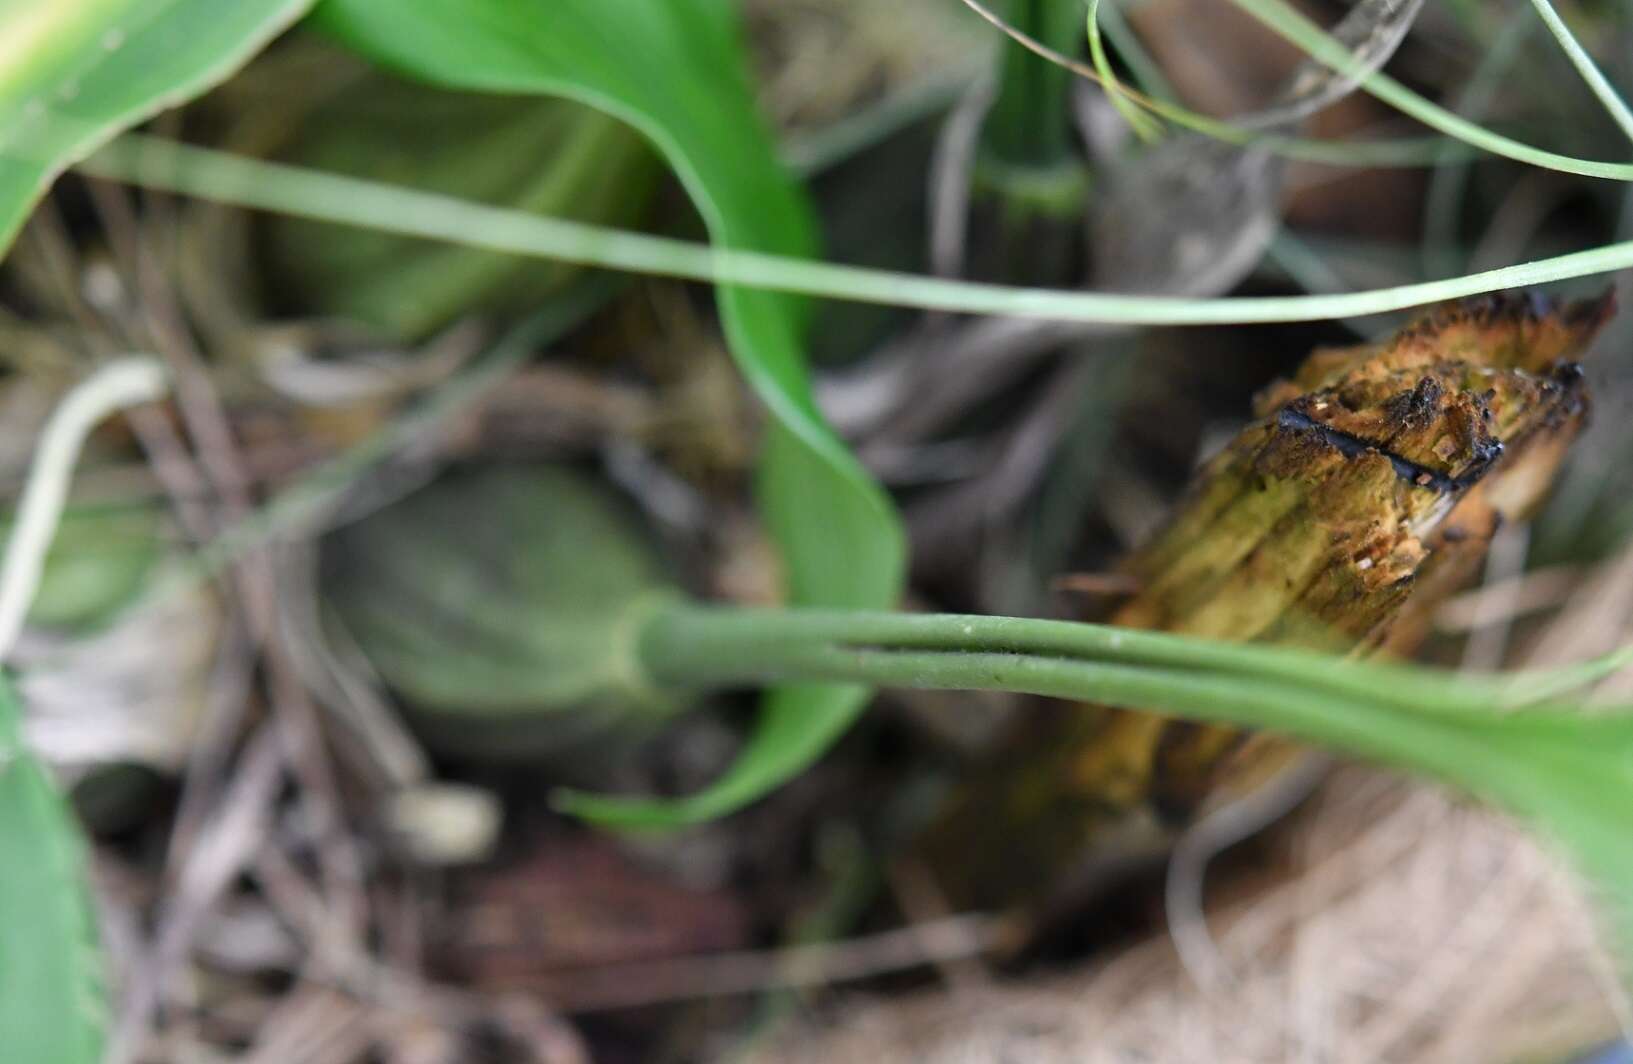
<point x="1408" y="927"/>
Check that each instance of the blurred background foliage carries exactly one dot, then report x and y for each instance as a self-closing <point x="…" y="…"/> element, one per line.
<point x="279" y="610"/>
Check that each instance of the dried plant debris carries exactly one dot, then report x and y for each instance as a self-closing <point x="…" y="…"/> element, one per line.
<point x="1193" y="215"/>
<point x="1401" y="926"/>
<point x="1371" y="32"/>
<point x="817" y="61"/>
<point x="1365" y="493"/>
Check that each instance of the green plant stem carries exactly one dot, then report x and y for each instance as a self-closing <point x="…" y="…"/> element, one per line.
<point x="126" y="382"/>
<point x="1288" y="23"/>
<point x="1562" y="766"/>
<point x="1293" y="26"/>
<point x="1029" y="125"/>
<point x="1586" y="67"/>
<point x="225" y="178"/>
<point x="1147" y="73"/>
<point x="1427" y="725"/>
<point x="689" y="644"/>
<point x="1145" y="127"/>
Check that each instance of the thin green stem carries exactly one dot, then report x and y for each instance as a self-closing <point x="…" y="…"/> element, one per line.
<point x="1585" y="66"/>
<point x="1312" y="39"/>
<point x="226" y="178"/>
<point x="1147" y="74"/>
<point x="126" y="382"/>
<point x="1144" y="126"/>
<point x="700" y="645"/>
<point x="1288" y="23"/>
<point x="1561" y="766"/>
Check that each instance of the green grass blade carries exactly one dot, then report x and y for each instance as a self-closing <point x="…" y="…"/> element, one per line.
<point x="51" y="980"/>
<point x="1147" y="74"/>
<point x="75" y="72"/>
<point x="1585" y="66"/>
<point x="1288" y="23"/>
<point x="1419" y="151"/>
<point x="267" y="186"/>
<point x="675" y="70"/>
<point x="1141" y="122"/>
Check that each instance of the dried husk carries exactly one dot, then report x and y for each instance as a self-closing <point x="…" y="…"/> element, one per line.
<point x="1367" y="491"/>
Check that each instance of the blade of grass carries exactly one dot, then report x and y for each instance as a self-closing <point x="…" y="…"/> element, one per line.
<point x="1147" y="74"/>
<point x="1142" y="123"/>
<point x="123" y="383"/>
<point x="1585" y="66"/>
<point x="1404" y="152"/>
<point x="1289" y="24"/>
<point x="246" y="182"/>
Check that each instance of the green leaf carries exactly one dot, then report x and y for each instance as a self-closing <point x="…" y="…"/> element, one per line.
<point x="546" y="156"/>
<point x="675" y="71"/>
<point x="75" y="72"/>
<point x="52" y="1008"/>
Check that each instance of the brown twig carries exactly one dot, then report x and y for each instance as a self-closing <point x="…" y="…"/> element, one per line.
<point x="219" y="474"/>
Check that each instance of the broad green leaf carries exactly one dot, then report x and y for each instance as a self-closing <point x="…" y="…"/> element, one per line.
<point x="551" y="157"/>
<point x="675" y="71"/>
<point x="75" y="72"/>
<point x="51" y="980"/>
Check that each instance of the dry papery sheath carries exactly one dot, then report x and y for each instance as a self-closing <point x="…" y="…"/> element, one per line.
<point x="1366" y="491"/>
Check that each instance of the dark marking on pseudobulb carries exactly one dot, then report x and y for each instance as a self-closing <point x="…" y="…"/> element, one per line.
<point x="1353" y="446"/>
<point x="1418" y="407"/>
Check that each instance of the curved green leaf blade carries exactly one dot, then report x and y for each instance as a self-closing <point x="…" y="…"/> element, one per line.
<point x="75" y="72"/>
<point x="674" y="70"/>
<point x="51" y="982"/>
